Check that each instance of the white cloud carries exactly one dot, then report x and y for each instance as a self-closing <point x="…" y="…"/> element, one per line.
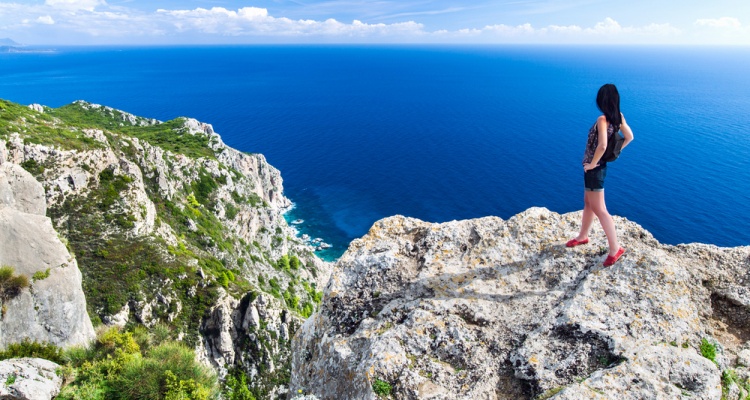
<point x="607" y="29"/>
<point x="46" y="20"/>
<point x="724" y="22"/>
<point x="88" y="5"/>
<point x="256" y="21"/>
<point x="96" y="21"/>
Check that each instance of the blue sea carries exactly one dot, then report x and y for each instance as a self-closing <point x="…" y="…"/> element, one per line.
<point x="443" y="132"/>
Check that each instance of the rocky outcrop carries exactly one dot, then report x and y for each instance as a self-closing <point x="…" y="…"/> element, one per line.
<point x="171" y="226"/>
<point x="53" y="308"/>
<point x="501" y="309"/>
<point x="29" y="379"/>
<point x="253" y="334"/>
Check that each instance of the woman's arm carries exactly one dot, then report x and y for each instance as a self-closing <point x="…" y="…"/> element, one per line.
<point x="626" y="132"/>
<point x="601" y="127"/>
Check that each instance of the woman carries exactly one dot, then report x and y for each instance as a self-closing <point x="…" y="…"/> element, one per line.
<point x="594" y="171"/>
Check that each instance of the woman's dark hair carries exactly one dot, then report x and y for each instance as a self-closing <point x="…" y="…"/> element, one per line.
<point x="608" y="101"/>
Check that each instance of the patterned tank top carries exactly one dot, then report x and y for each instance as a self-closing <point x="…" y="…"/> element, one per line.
<point x="593" y="142"/>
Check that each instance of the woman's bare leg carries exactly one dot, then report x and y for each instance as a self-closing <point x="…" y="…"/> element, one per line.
<point x="587" y="219"/>
<point x="596" y="201"/>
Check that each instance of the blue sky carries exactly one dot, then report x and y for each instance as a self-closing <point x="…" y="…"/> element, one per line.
<point x="49" y="22"/>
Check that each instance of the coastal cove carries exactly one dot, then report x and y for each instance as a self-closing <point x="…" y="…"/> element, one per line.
<point x="442" y="133"/>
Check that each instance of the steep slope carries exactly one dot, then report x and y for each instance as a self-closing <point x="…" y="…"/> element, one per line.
<point x="171" y="226"/>
<point x="494" y="309"/>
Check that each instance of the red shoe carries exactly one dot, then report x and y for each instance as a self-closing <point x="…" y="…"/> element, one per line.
<point x="611" y="260"/>
<point x="573" y="242"/>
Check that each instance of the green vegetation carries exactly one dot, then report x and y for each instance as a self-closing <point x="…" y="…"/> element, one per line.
<point x="283" y="263"/>
<point x="708" y="350"/>
<point x="10" y="283"/>
<point x="41" y="128"/>
<point x="33" y="167"/>
<point x="40" y="275"/>
<point x="235" y="387"/>
<point x="27" y="348"/>
<point x="118" y="266"/>
<point x="230" y="211"/>
<point x="204" y="188"/>
<point x="729" y="378"/>
<point x="171" y="135"/>
<point x="294" y="262"/>
<point x="381" y="388"/>
<point x="135" y="365"/>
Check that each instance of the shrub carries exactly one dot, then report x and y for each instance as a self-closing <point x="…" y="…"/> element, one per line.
<point x="231" y="211"/>
<point x="10" y="283"/>
<point x="114" y="367"/>
<point x="307" y="310"/>
<point x="283" y="263"/>
<point x="33" y="349"/>
<point x="168" y="369"/>
<point x="33" y="167"/>
<point x="294" y="262"/>
<point x="235" y="386"/>
<point x="224" y="280"/>
<point x="204" y="188"/>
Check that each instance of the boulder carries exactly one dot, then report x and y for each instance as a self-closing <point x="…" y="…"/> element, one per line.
<point x="501" y="309"/>
<point x="29" y="379"/>
<point x="53" y="309"/>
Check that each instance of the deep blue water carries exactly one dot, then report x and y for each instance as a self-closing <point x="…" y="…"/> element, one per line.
<point x="443" y="133"/>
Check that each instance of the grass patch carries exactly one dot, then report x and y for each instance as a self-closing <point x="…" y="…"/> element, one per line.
<point x="381" y="388"/>
<point x="708" y="350"/>
<point x="40" y="275"/>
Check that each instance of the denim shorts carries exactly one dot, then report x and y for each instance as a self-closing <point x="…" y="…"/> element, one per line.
<point x="593" y="179"/>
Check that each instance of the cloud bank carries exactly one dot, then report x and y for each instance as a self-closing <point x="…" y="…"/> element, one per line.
<point x="97" y="22"/>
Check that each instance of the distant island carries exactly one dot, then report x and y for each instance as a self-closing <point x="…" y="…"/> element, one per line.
<point x="8" y="45"/>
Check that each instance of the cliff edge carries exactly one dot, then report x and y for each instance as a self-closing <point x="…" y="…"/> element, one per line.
<point x="501" y="309"/>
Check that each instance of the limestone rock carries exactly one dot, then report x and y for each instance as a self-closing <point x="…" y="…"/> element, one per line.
<point x="32" y="379"/>
<point x="53" y="309"/>
<point x="37" y="107"/>
<point x="20" y="191"/>
<point x="501" y="309"/>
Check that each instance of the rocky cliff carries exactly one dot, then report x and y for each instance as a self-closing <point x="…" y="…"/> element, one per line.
<point x="170" y="226"/>
<point x="501" y="309"/>
<point x="53" y="308"/>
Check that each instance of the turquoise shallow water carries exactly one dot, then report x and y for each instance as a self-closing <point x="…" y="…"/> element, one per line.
<point x="443" y="133"/>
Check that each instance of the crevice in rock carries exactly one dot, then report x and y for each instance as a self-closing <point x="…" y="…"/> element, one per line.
<point x="509" y="387"/>
<point x="736" y="317"/>
<point x="586" y="351"/>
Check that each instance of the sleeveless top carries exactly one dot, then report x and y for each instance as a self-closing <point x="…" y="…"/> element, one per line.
<point x="593" y="142"/>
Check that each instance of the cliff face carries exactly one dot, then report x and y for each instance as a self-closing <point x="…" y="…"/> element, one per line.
<point x="53" y="308"/>
<point x="171" y="226"/>
<point x="494" y="309"/>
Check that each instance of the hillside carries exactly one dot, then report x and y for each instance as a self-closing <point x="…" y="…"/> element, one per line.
<point x="169" y="226"/>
